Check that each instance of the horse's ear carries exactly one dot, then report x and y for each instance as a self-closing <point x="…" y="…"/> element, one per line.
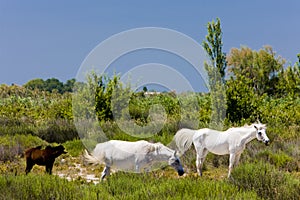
<point x="175" y="152"/>
<point x="255" y="127"/>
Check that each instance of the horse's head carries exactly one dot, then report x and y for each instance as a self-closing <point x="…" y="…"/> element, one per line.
<point x="261" y="134"/>
<point x="174" y="161"/>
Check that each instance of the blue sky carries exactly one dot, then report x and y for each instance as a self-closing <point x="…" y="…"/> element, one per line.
<point x="45" y="39"/>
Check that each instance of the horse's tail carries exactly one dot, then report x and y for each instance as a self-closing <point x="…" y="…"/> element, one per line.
<point x="183" y="140"/>
<point x="90" y="159"/>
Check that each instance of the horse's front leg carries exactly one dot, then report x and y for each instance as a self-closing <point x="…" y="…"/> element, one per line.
<point x="137" y="168"/>
<point x="232" y="160"/>
<point x="105" y="172"/>
<point x="201" y="154"/>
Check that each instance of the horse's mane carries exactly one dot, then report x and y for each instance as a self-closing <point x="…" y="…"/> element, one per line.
<point x="154" y="147"/>
<point x="258" y="125"/>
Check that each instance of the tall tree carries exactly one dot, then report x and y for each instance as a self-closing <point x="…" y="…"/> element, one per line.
<point x="289" y="81"/>
<point x="68" y="86"/>
<point x="213" y="46"/>
<point x="254" y="76"/>
<point x="53" y="84"/>
<point x="261" y="67"/>
<point x="216" y="72"/>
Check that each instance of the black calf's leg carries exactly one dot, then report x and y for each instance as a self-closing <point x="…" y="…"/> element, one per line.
<point x="49" y="168"/>
<point x="29" y="166"/>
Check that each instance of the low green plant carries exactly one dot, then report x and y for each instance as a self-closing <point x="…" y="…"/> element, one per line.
<point x="279" y="159"/>
<point x="41" y="187"/>
<point x="266" y="180"/>
<point x="58" y="130"/>
<point x="119" y="186"/>
<point x="74" y="147"/>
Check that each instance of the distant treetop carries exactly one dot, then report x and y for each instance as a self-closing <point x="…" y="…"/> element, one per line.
<point x="50" y="85"/>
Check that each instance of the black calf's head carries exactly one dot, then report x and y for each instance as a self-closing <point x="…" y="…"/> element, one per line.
<point x="61" y="148"/>
<point x="57" y="151"/>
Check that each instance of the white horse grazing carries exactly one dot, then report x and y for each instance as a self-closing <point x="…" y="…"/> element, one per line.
<point x="132" y="156"/>
<point x="232" y="141"/>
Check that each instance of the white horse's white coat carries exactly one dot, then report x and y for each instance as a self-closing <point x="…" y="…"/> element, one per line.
<point x="131" y="156"/>
<point x="232" y="141"/>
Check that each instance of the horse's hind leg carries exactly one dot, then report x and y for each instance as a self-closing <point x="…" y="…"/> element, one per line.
<point x="201" y="154"/>
<point x="237" y="159"/>
<point x="105" y="172"/>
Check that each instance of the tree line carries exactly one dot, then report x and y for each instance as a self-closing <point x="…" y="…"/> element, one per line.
<point x="50" y="85"/>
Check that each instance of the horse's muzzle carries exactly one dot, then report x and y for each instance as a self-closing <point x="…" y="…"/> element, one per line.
<point x="180" y="172"/>
<point x="266" y="142"/>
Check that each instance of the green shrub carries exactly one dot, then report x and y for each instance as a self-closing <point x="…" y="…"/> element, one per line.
<point x="59" y="131"/>
<point x="279" y="159"/>
<point x="13" y="126"/>
<point x="266" y="180"/>
<point x="74" y="147"/>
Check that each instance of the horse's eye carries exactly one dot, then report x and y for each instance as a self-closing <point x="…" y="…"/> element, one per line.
<point x="259" y="133"/>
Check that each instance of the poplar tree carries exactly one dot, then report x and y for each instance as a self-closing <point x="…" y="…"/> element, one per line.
<point x="213" y="47"/>
<point x="216" y="72"/>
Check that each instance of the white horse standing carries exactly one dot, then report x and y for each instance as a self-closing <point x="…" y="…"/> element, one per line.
<point x="232" y="141"/>
<point x="132" y="156"/>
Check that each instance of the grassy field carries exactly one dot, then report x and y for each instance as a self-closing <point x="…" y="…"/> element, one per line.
<point x="251" y="180"/>
<point x="32" y="118"/>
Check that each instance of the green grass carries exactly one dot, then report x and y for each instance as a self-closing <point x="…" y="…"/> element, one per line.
<point x="41" y="187"/>
<point x="119" y="186"/>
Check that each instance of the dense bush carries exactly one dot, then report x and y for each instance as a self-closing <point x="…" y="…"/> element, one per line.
<point x="58" y="130"/>
<point x="266" y="180"/>
<point x="13" y="126"/>
<point x="74" y="147"/>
